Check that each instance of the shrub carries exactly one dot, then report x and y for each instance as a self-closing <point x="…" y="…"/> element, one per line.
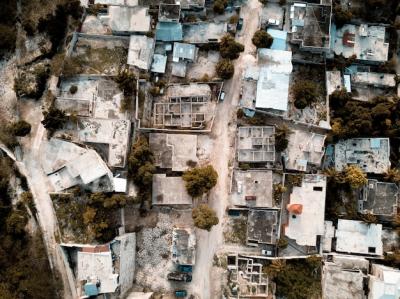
<point x="281" y="138"/>
<point x="73" y="89"/>
<point x="305" y="93"/>
<point x="262" y="39"/>
<point x="355" y="177"/>
<point x="141" y="163"/>
<point x="229" y="48"/>
<point x="7" y="38"/>
<point x="204" y="217"/>
<point x="225" y="69"/>
<point x="200" y="180"/>
<point x="20" y="128"/>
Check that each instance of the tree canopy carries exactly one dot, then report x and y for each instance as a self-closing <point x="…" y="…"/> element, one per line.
<point x="305" y="93"/>
<point x="229" y="48"/>
<point x="225" y="69"/>
<point x="262" y="39"/>
<point x="204" y="217"/>
<point x="200" y="180"/>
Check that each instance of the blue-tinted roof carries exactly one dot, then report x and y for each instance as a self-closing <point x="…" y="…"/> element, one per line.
<point x="91" y="289"/>
<point x="375" y="143"/>
<point x="279" y="37"/>
<point x="168" y="31"/>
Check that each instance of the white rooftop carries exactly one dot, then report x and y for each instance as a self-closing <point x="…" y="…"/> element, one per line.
<point x="359" y="237"/>
<point x="141" y="49"/>
<point x="304" y="148"/>
<point x="384" y="283"/>
<point x="366" y="42"/>
<point x="128" y="19"/>
<point x="306" y="226"/>
<point x="273" y="81"/>
<point x="98" y="266"/>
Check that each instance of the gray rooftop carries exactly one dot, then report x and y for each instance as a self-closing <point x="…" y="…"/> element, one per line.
<point x="169" y="191"/>
<point x="263" y="226"/>
<point x="141" y="49"/>
<point x="256" y="144"/>
<point x="173" y="151"/>
<point x="183" y="246"/>
<point x="252" y="188"/>
<point x="379" y="198"/>
<point x="159" y="63"/>
<point x="370" y="154"/>
<point x="204" y="32"/>
<point x="184" y="51"/>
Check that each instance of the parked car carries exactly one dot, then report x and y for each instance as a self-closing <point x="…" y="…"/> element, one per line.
<point x="179" y="276"/>
<point x="222" y="96"/>
<point x="266" y="252"/>
<point x="180" y="293"/>
<point x="185" y="268"/>
<point x="240" y="24"/>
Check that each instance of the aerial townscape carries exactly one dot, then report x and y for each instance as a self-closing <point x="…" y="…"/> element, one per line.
<point x="200" y="149"/>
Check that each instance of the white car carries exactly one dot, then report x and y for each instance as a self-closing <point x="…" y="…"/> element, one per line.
<point x="222" y="96"/>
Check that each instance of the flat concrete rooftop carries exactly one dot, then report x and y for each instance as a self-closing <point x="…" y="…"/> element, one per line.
<point x="252" y="188"/>
<point x="169" y="191"/>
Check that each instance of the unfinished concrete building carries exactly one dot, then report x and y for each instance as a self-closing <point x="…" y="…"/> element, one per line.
<point x="174" y="151"/>
<point x="102" y="269"/>
<point x="97" y="103"/>
<point x="170" y="191"/>
<point x="263" y="227"/>
<point x="256" y="144"/>
<point x="67" y="165"/>
<point x="370" y="154"/>
<point x="186" y="106"/>
<point x="306" y="211"/>
<point x="305" y="149"/>
<point x="169" y="12"/>
<point x="204" y="32"/>
<point x="379" y="198"/>
<point x="247" y="277"/>
<point x="183" y="246"/>
<point x="310" y="25"/>
<point x="344" y="277"/>
<point x="252" y="188"/>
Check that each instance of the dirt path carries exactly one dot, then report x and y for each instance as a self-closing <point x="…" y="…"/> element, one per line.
<point x="39" y="186"/>
<point x="223" y="134"/>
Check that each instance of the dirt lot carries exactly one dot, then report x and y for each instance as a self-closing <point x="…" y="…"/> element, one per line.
<point x="205" y="65"/>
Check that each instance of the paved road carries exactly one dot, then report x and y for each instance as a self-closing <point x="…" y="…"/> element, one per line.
<point x="223" y="133"/>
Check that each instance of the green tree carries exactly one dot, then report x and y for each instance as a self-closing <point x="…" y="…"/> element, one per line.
<point x="342" y="16"/>
<point x="392" y="175"/>
<point x="281" y="137"/>
<point x="229" y="48"/>
<point x="200" y="180"/>
<point x="54" y="119"/>
<point x="339" y="98"/>
<point x="204" y="217"/>
<point x="141" y="164"/>
<point x="73" y="89"/>
<point x="16" y="222"/>
<point x="219" y="6"/>
<point x="305" y="93"/>
<point x="89" y="215"/>
<point x="354" y="176"/>
<point x="225" y="69"/>
<point x="262" y="39"/>
<point x="20" y="128"/>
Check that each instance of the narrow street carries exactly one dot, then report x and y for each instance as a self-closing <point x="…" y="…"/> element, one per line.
<point x="38" y="183"/>
<point x="223" y="133"/>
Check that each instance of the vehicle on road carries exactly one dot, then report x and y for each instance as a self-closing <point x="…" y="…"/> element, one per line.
<point x="240" y="24"/>
<point x="180" y="293"/>
<point x="222" y="96"/>
<point x="179" y="276"/>
<point x="185" y="268"/>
